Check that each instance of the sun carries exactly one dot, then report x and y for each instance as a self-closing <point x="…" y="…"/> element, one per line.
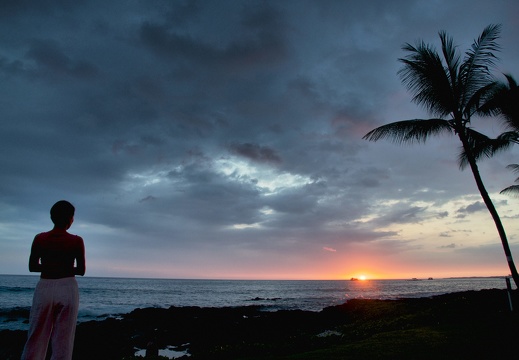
<point x="362" y="277"/>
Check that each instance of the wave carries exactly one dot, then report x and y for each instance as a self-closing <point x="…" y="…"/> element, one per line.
<point x="265" y="299"/>
<point x="15" y="289"/>
<point x="21" y="311"/>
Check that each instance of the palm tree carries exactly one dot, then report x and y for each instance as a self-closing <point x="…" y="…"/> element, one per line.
<point x="451" y="89"/>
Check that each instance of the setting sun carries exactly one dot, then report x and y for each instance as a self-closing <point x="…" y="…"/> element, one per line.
<point x="362" y="277"/>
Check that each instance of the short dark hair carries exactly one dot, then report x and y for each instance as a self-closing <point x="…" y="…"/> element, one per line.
<point x="61" y="213"/>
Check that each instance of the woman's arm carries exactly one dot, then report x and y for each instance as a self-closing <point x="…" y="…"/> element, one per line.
<point x="34" y="258"/>
<point x="80" y="268"/>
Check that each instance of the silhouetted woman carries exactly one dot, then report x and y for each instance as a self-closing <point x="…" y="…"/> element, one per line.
<point x="59" y="257"/>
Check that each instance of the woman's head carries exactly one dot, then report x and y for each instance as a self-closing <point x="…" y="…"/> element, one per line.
<point x="62" y="214"/>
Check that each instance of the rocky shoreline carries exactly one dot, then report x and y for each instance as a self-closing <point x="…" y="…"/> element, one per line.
<point x="465" y="325"/>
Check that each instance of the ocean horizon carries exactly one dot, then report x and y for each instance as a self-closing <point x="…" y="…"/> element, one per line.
<point x="103" y="297"/>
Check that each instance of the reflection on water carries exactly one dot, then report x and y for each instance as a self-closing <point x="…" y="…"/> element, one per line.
<point x="394" y="289"/>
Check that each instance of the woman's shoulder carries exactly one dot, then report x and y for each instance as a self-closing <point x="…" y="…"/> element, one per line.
<point x="61" y="235"/>
<point x="76" y="238"/>
<point x="41" y="236"/>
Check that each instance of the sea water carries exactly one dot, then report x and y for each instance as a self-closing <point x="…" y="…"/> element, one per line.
<point x="109" y="297"/>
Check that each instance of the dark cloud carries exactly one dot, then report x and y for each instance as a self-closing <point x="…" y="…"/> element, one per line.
<point x="443" y="214"/>
<point x="403" y="214"/>
<point x="256" y="153"/>
<point x="255" y="42"/>
<point x="49" y="60"/>
<point x="450" y="246"/>
<point x="470" y="209"/>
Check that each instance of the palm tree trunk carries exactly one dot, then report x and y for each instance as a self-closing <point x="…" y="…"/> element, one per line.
<point x="491" y="208"/>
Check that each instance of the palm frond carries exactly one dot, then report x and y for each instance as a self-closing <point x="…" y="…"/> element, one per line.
<point x="452" y="58"/>
<point x="479" y="145"/>
<point x="491" y="106"/>
<point x="483" y="100"/>
<point x="410" y="131"/>
<point x="475" y="71"/>
<point x="508" y="104"/>
<point x="512" y="137"/>
<point x="482" y="146"/>
<point x="424" y="76"/>
<point x="511" y="81"/>
<point x="511" y="190"/>
<point x="503" y="100"/>
<point x="513" y="167"/>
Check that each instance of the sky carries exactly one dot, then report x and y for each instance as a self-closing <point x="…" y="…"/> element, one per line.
<point x="223" y="139"/>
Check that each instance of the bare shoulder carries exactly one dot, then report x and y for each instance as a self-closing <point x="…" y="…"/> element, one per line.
<point x="77" y="239"/>
<point x="40" y="237"/>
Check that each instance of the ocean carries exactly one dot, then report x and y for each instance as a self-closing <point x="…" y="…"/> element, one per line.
<point x="108" y="297"/>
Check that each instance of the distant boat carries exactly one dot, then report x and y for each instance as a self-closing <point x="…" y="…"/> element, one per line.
<point x="354" y="279"/>
<point x="430" y="278"/>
